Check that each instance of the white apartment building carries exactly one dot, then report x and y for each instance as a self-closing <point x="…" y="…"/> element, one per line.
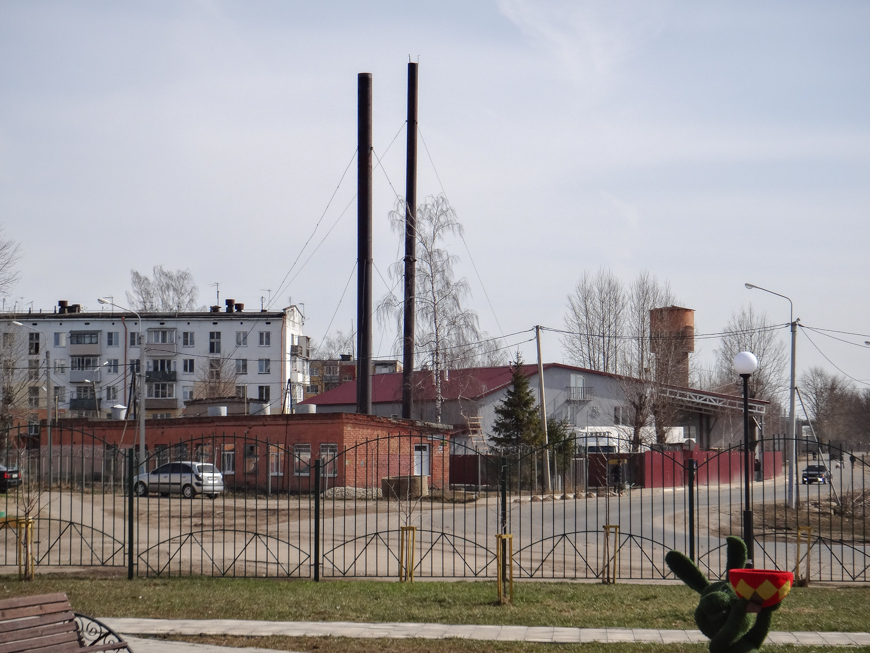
<point x="93" y="358"/>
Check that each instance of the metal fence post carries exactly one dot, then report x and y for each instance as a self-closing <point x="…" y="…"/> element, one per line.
<point x="691" y="481"/>
<point x="131" y="491"/>
<point x="317" y="520"/>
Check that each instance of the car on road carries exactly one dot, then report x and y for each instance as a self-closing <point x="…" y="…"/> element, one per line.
<point x="186" y="478"/>
<point x="814" y="474"/>
<point x="9" y="478"/>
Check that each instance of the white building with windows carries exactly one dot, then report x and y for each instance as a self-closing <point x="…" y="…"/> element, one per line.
<point x="94" y="356"/>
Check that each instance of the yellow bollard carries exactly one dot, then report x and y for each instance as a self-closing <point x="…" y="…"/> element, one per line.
<point x="407" y="543"/>
<point x="609" y="576"/>
<point x="504" y="541"/>
<point x="24" y="535"/>
<point x="798" y="581"/>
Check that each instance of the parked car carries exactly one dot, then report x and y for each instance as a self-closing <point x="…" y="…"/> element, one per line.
<point x="187" y="478"/>
<point x="9" y="478"/>
<point x="815" y="474"/>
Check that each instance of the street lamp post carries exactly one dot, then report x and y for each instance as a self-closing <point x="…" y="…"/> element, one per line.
<point x="140" y="412"/>
<point x="745" y="363"/>
<point x="790" y="496"/>
<point x="93" y="381"/>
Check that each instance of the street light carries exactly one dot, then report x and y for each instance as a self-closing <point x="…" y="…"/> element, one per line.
<point x="93" y="381"/>
<point x="790" y="496"/>
<point x="140" y="412"/>
<point x="745" y="363"/>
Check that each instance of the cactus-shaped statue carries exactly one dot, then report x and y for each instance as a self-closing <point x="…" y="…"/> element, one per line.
<point x="722" y="615"/>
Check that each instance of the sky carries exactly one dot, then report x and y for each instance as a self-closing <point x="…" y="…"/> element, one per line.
<point x="711" y="144"/>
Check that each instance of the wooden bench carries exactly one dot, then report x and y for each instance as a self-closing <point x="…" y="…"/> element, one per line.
<point x="46" y="622"/>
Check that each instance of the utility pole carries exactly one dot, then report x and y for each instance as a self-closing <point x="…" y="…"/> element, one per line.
<point x="547" y="481"/>
<point x="410" y="247"/>
<point x="364" y="243"/>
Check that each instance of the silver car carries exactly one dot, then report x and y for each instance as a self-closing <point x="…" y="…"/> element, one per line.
<point x="187" y="478"/>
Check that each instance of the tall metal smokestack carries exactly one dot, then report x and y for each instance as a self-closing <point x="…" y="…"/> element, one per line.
<point x="410" y="246"/>
<point x="364" y="244"/>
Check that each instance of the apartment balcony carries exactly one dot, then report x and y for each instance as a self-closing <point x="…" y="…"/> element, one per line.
<point x="299" y="351"/>
<point x="91" y="403"/>
<point x="155" y="348"/>
<point x="84" y="350"/>
<point x="161" y="376"/>
<point x="81" y="376"/>
<point x="584" y="393"/>
<point x="161" y="404"/>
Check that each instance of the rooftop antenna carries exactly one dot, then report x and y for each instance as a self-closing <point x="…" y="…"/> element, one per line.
<point x="217" y="285"/>
<point x="268" y="290"/>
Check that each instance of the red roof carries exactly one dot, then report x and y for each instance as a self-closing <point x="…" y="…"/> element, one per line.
<point x="471" y="383"/>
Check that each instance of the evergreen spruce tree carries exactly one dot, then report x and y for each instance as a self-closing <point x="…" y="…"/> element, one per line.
<point x="517" y="420"/>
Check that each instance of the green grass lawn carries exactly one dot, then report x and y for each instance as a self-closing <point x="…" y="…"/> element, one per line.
<point x="536" y="603"/>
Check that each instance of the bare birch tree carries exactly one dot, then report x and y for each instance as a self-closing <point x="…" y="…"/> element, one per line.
<point x="447" y="332"/>
<point x="332" y="346"/>
<point x="216" y="380"/>
<point x="10" y="253"/>
<point x="752" y="331"/>
<point x="595" y="321"/>
<point x="167" y="291"/>
<point x="830" y="401"/>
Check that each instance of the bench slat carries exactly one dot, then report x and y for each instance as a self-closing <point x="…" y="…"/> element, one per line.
<point x="51" y="643"/>
<point x="36" y="622"/>
<point x="21" y="612"/>
<point x="34" y="599"/>
<point x="38" y="630"/>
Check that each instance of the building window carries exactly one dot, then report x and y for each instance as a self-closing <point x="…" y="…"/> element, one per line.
<point x="33" y="369"/>
<point x="241" y="338"/>
<point x="187" y="365"/>
<point x="301" y="459"/>
<point x="134" y="366"/>
<point x="161" y="415"/>
<point x="241" y="366"/>
<point x="264" y="393"/>
<point x="620" y="416"/>
<point x="265" y="366"/>
<point x="187" y="339"/>
<point x="214" y="342"/>
<point x="33" y="344"/>
<point x="228" y="459"/>
<point x="60" y="366"/>
<point x="161" y="391"/>
<point x="111" y="393"/>
<point x="85" y="392"/>
<point x="112" y="339"/>
<point x="84" y="363"/>
<point x="86" y="338"/>
<point x="112" y="366"/>
<point x="59" y="395"/>
<point x="161" y="336"/>
<point x="214" y="369"/>
<point x="187" y="392"/>
<point x="161" y="365"/>
<point x="312" y="389"/>
<point x="134" y="338"/>
<point x="8" y="339"/>
<point x="33" y="397"/>
<point x="276" y="461"/>
<point x="328" y="454"/>
<point x="241" y="392"/>
<point x="265" y="338"/>
<point x="60" y="339"/>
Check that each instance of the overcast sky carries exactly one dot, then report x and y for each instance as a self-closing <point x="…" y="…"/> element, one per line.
<point x="709" y="143"/>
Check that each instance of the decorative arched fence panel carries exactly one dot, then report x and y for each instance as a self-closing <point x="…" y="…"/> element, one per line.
<point x="394" y="508"/>
<point x="412" y="505"/>
<point x="72" y="492"/>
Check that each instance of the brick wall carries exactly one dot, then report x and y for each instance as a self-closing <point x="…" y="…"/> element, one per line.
<point x="266" y="448"/>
